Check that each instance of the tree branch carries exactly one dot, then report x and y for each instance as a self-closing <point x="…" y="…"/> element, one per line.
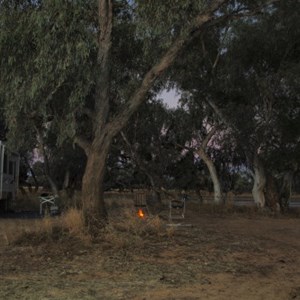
<point x="208" y="137"/>
<point x="207" y="18"/>
<point x="219" y="113"/>
<point x="164" y="63"/>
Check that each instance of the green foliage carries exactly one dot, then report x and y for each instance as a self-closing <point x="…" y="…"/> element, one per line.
<point x="46" y="61"/>
<point x="166" y="18"/>
<point x="249" y="68"/>
<point x="160" y="22"/>
<point x="49" y="63"/>
<point x="149" y="150"/>
<point x="266" y="55"/>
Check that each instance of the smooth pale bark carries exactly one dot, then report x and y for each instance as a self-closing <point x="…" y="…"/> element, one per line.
<point x="213" y="174"/>
<point x="258" y="175"/>
<point x="259" y="182"/>
<point x="210" y="165"/>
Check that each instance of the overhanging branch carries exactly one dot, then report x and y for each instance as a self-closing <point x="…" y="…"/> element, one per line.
<point x="164" y="63"/>
<point x="200" y="23"/>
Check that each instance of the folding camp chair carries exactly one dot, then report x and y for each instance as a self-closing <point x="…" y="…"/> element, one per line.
<point x="177" y="208"/>
<point x="49" y="201"/>
<point x="140" y="204"/>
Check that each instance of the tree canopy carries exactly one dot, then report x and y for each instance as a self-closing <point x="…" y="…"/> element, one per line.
<point x="82" y="69"/>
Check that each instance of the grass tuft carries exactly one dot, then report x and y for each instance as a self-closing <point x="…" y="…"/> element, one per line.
<point x="73" y="222"/>
<point x="47" y="229"/>
<point x="129" y="232"/>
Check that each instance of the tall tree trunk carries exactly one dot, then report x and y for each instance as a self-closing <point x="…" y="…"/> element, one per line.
<point x="210" y="165"/>
<point x="94" y="210"/>
<point x="213" y="174"/>
<point x="259" y="182"/>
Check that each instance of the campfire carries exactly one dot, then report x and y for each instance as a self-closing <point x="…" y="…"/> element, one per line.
<point x="141" y="214"/>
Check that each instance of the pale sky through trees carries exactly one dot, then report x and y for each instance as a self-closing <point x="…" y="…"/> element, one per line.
<point x="170" y="97"/>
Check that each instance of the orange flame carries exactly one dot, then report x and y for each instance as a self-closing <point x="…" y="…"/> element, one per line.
<point x="141" y="213"/>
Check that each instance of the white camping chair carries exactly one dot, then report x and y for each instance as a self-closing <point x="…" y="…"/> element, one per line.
<point x="48" y="200"/>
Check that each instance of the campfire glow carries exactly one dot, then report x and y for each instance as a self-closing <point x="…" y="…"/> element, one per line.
<point x="141" y="213"/>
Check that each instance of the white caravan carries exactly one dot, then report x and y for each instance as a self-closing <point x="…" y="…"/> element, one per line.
<point x="9" y="177"/>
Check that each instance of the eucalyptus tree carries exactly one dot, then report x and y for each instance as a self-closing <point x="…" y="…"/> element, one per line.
<point x="207" y="134"/>
<point x="252" y="70"/>
<point x="202" y="136"/>
<point x="263" y="85"/>
<point x="267" y="55"/>
<point x="214" y="145"/>
<point x="90" y="64"/>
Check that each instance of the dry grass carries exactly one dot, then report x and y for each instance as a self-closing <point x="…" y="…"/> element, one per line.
<point x="12" y="229"/>
<point x="73" y="222"/>
<point x="124" y="231"/>
<point x="42" y="230"/>
<point x="128" y="231"/>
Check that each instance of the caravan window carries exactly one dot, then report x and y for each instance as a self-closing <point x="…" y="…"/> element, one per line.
<point x="5" y="163"/>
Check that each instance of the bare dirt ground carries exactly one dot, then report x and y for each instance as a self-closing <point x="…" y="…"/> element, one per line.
<point x="227" y="256"/>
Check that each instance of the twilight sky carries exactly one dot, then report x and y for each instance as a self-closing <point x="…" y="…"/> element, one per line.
<point x="170" y="98"/>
